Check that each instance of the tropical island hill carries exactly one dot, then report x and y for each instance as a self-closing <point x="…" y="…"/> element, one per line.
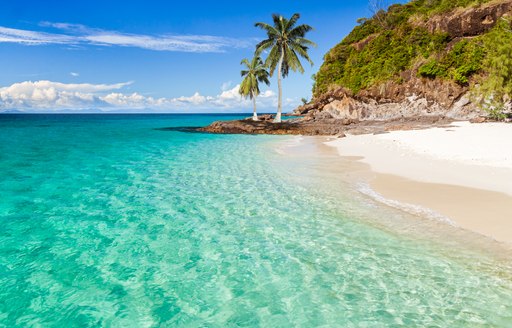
<point x="419" y="64"/>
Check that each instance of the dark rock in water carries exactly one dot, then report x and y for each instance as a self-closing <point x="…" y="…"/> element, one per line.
<point x="186" y="129"/>
<point x="268" y="127"/>
<point x="266" y="117"/>
<point x="263" y="117"/>
<point x="326" y="127"/>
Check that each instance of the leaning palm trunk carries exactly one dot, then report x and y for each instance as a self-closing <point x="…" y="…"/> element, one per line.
<point x="254" y="115"/>
<point x="280" y="90"/>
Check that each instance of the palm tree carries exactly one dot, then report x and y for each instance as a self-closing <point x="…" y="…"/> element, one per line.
<point x="254" y="73"/>
<point x="286" y="42"/>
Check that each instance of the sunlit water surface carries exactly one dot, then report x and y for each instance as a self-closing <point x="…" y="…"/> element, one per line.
<point x="116" y="221"/>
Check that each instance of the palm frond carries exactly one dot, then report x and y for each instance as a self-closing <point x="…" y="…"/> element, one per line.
<point x="293" y="20"/>
<point x="273" y="59"/>
<point x="262" y="74"/>
<point x="285" y="38"/>
<point x="271" y="30"/>
<point x="285" y="65"/>
<point x="300" y="31"/>
<point x="257" y="72"/>
<point x="255" y="88"/>
<point x="294" y="61"/>
<point x="305" y="42"/>
<point x="255" y="62"/>
<point x="264" y="45"/>
<point x="277" y="19"/>
<point x="264" y="79"/>
<point x="245" y="62"/>
<point x="302" y="51"/>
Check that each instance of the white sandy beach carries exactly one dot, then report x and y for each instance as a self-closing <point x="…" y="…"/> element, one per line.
<point x="462" y="172"/>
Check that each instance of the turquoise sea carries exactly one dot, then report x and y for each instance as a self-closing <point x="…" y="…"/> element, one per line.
<point x="127" y="221"/>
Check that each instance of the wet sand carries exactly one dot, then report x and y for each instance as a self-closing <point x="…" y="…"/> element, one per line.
<point x="482" y="211"/>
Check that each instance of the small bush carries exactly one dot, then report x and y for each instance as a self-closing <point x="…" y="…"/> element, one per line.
<point x="432" y="70"/>
<point x="495" y="83"/>
<point x="464" y="60"/>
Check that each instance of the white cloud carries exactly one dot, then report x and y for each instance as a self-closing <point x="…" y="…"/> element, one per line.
<point x="32" y="37"/>
<point x="226" y="85"/>
<point x="78" y="35"/>
<point x="230" y="94"/>
<point x="117" y="99"/>
<point x="267" y="94"/>
<point x="67" y="26"/>
<point x="74" y="74"/>
<point x="195" y="99"/>
<point x="55" y="96"/>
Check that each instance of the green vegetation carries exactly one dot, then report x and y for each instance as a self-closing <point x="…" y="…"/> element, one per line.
<point x="383" y="57"/>
<point x="494" y="86"/>
<point x="254" y="73"/>
<point x="395" y="44"/>
<point x="379" y="49"/>
<point x="285" y="42"/>
<point x="458" y="64"/>
<point x="432" y="7"/>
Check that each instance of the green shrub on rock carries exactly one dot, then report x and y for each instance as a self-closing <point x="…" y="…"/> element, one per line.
<point x="396" y="45"/>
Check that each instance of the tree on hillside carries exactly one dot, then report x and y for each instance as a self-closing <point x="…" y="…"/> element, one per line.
<point x="254" y="73"/>
<point x="285" y="43"/>
<point x="378" y="9"/>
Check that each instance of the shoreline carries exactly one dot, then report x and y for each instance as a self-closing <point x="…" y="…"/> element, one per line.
<point x="307" y="126"/>
<point x="468" y="186"/>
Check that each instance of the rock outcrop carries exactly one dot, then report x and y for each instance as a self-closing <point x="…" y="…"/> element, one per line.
<point x="415" y="98"/>
<point x="293" y="126"/>
<point x="414" y="89"/>
<point x="470" y="21"/>
<point x="326" y="126"/>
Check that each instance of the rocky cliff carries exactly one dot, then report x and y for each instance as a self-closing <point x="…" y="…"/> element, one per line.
<point x="467" y="22"/>
<point x="390" y="101"/>
<point x="424" y="58"/>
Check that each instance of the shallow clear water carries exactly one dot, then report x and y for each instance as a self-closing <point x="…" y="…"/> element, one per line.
<point x="112" y="221"/>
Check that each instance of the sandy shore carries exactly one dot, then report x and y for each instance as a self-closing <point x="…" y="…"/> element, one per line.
<point x="462" y="173"/>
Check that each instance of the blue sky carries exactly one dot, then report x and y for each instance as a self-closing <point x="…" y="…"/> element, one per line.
<point x="150" y="55"/>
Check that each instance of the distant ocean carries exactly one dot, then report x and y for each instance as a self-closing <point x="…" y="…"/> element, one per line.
<point x="129" y="221"/>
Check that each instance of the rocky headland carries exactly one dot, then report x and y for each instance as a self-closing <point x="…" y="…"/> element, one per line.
<point x="421" y="64"/>
<point x="324" y="126"/>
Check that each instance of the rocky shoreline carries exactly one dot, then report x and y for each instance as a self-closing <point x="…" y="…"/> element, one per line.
<point x="328" y="126"/>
